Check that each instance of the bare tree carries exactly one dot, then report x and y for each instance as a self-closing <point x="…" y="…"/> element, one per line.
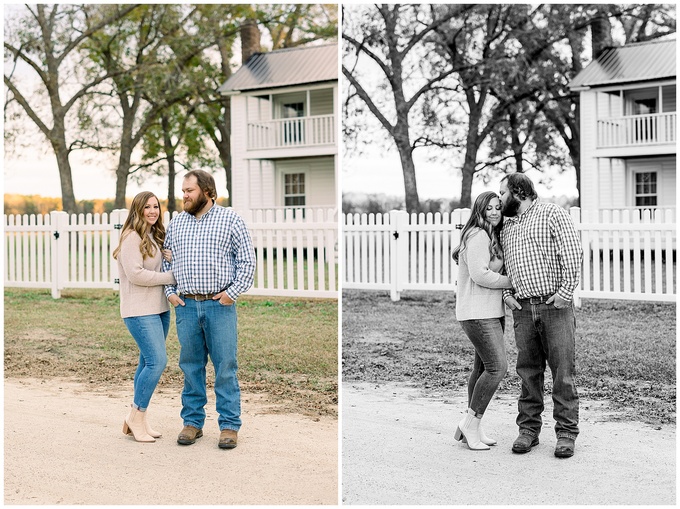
<point x="394" y="38"/>
<point x="47" y="39"/>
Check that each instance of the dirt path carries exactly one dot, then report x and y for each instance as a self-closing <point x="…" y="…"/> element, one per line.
<point x="398" y="448"/>
<point x="64" y="445"/>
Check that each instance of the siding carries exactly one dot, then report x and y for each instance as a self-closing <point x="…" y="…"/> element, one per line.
<point x="666" y="183"/>
<point x="319" y="179"/>
<point x="322" y="101"/>
<point x="589" y="164"/>
<point x="669" y="99"/>
<point x="668" y="180"/>
<point x="239" y="168"/>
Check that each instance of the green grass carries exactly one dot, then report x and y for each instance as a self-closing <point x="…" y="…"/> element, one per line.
<point x="625" y="351"/>
<point x="288" y="348"/>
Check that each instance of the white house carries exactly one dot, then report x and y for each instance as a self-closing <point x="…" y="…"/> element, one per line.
<point x="628" y="127"/>
<point x="284" y="107"/>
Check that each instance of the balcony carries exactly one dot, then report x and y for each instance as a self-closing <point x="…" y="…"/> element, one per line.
<point x="286" y="133"/>
<point x="637" y="131"/>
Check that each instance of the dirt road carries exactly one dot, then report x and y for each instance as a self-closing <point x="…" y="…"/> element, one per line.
<point x="64" y="445"/>
<point x="398" y="448"/>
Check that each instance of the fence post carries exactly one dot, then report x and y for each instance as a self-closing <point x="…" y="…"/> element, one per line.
<point x="59" y="249"/>
<point x="576" y="217"/>
<point x="398" y="252"/>
<point x="116" y="221"/>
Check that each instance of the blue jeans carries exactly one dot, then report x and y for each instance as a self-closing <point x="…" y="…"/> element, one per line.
<point x="490" y="363"/>
<point x="208" y="328"/>
<point x="150" y="332"/>
<point x="545" y="334"/>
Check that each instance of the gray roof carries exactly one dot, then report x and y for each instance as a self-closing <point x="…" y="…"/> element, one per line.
<point x="631" y="63"/>
<point x="286" y="67"/>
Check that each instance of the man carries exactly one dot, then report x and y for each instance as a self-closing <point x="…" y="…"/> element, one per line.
<point x="543" y="259"/>
<point x="213" y="261"/>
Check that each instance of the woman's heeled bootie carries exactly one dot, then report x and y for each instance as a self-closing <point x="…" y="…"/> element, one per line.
<point x="134" y="423"/>
<point x="468" y="428"/>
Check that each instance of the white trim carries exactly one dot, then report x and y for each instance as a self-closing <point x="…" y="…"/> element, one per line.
<point x="629" y="86"/>
<point x="285" y="90"/>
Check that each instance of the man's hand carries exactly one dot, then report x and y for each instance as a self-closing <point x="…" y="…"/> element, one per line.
<point x="558" y="301"/>
<point x="175" y="300"/>
<point x="224" y="299"/>
<point x="512" y="303"/>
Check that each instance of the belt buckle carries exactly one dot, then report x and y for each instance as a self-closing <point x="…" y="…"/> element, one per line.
<point x="201" y="298"/>
<point x="536" y="300"/>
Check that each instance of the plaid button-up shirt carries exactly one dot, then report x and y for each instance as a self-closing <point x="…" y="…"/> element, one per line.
<point x="210" y="254"/>
<point x="542" y="250"/>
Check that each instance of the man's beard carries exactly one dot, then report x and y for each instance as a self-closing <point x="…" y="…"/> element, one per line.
<point x="511" y="206"/>
<point x="196" y="206"/>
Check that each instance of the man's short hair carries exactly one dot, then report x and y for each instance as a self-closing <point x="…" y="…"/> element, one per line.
<point x="521" y="186"/>
<point x="205" y="181"/>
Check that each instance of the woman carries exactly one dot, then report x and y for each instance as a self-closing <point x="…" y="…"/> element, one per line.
<point x="481" y="312"/>
<point x="143" y="305"/>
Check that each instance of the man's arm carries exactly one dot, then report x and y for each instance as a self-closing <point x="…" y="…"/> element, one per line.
<point x="244" y="263"/>
<point x="244" y="260"/>
<point x="569" y="253"/>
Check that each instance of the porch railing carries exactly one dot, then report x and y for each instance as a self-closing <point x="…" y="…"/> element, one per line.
<point x="292" y="132"/>
<point x="637" y="130"/>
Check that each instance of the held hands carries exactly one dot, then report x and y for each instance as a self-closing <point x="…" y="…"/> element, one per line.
<point x="224" y="299"/>
<point x="167" y="255"/>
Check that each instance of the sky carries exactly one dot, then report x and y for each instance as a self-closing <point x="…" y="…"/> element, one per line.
<point x="39" y="174"/>
<point x="383" y="174"/>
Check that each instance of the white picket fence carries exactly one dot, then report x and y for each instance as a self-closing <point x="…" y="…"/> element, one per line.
<point x="296" y="253"/>
<point x="627" y="255"/>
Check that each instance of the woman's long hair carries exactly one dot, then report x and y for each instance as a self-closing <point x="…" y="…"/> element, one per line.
<point x="478" y="220"/>
<point x="135" y="221"/>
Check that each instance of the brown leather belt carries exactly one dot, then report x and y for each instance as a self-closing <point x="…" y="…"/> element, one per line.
<point x="199" y="298"/>
<point x="536" y="300"/>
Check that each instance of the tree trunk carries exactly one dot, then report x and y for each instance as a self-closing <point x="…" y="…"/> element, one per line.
<point x="68" y="200"/>
<point x="57" y="138"/>
<point x="517" y="148"/>
<point x="170" y="157"/>
<point x="402" y="141"/>
<point x="223" y="144"/>
<point x="468" y="171"/>
<point x="122" y="173"/>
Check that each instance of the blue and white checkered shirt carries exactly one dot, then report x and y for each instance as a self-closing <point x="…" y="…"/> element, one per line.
<point x="543" y="253"/>
<point x="210" y="254"/>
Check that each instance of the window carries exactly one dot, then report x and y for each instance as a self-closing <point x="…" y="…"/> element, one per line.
<point x="293" y="129"/>
<point x="294" y="189"/>
<point x="643" y="105"/>
<point x="645" y="189"/>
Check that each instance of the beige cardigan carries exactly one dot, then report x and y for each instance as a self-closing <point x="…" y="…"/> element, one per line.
<point x="141" y="280"/>
<point x="480" y="289"/>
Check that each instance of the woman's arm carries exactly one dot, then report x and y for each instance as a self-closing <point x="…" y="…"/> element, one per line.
<point x="131" y="260"/>
<point x="478" y="258"/>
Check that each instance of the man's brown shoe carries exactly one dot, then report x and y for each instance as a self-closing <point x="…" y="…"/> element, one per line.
<point x="228" y="438"/>
<point x="523" y="443"/>
<point x="188" y="435"/>
<point x="565" y="447"/>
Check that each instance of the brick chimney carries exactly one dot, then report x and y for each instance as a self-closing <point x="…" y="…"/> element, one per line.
<point x="250" y="39"/>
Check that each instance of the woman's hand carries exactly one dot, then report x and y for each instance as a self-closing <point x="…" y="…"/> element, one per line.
<point x="167" y="255"/>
